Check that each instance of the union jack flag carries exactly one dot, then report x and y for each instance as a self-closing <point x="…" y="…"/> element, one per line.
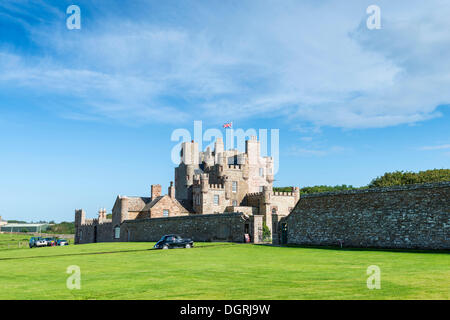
<point x="228" y="125"/>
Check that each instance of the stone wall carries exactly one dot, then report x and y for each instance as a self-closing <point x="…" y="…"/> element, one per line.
<point x="202" y="227"/>
<point x="91" y="233"/>
<point x="415" y="216"/>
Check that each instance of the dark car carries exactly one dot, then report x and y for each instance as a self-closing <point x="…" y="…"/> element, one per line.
<point x="173" y="241"/>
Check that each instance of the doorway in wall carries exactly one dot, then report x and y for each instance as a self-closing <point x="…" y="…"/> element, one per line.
<point x="95" y="234"/>
<point x="284" y="232"/>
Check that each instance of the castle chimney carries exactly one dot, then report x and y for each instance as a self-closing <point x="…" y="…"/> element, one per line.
<point x="172" y="190"/>
<point x="156" y="191"/>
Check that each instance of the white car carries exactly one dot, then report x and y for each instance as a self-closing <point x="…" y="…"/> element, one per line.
<point x="41" y="243"/>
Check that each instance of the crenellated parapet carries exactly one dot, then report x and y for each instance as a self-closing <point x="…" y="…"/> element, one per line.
<point x="254" y="195"/>
<point x="285" y="194"/>
<point x="217" y="187"/>
<point x="235" y="166"/>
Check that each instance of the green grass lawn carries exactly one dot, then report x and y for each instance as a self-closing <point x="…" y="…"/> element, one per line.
<point x="13" y="241"/>
<point x="17" y="241"/>
<point x="220" y="271"/>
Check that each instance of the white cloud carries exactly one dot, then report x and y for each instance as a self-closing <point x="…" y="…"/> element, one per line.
<point x="301" y="61"/>
<point x="437" y="147"/>
<point x="301" y="152"/>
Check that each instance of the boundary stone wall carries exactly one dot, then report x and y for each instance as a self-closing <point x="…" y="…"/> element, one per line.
<point x="202" y="227"/>
<point x="413" y="216"/>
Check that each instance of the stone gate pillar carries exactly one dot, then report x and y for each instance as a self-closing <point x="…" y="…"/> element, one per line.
<point x="257" y="229"/>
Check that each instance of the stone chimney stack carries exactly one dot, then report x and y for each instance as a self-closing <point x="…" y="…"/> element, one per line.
<point x="171" y="190"/>
<point x="156" y="191"/>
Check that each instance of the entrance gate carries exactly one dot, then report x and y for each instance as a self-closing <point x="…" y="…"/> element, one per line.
<point x="284" y="232"/>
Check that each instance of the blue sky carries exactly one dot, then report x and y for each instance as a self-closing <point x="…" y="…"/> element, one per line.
<point x="88" y="114"/>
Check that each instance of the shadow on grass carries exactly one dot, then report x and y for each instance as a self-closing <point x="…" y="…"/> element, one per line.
<point x="337" y="248"/>
<point x="109" y="252"/>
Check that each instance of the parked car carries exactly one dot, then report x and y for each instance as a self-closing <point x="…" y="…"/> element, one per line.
<point x="41" y="243"/>
<point x="173" y="241"/>
<point x="51" y="242"/>
<point x="62" y="242"/>
<point x="33" y="241"/>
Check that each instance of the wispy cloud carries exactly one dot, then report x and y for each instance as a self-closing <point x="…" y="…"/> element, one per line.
<point x="275" y="61"/>
<point x="300" y="151"/>
<point x="436" y="147"/>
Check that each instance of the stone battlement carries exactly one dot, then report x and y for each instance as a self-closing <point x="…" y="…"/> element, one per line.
<point x="254" y="194"/>
<point x="216" y="186"/>
<point x="235" y="166"/>
<point x="95" y="221"/>
<point x="286" y="194"/>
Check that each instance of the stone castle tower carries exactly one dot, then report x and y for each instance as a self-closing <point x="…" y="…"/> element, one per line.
<point x="219" y="180"/>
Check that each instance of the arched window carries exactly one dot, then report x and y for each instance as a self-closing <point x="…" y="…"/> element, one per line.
<point x="117" y="232"/>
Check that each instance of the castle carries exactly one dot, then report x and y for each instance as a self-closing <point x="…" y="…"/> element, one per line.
<point x="207" y="182"/>
<point x="228" y="196"/>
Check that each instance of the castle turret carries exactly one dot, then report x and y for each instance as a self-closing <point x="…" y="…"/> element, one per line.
<point x="218" y="150"/>
<point x="267" y="192"/>
<point x="204" y="181"/>
<point x="208" y="157"/>
<point x="189" y="153"/>
<point x="80" y="217"/>
<point x="190" y="171"/>
<point x="252" y="149"/>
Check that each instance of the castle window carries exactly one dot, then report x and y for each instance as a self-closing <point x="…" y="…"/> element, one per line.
<point x="234" y="203"/>
<point x="216" y="199"/>
<point x="117" y="232"/>
<point x="234" y="186"/>
<point x="261" y="172"/>
<point x="261" y="189"/>
<point x="165" y="213"/>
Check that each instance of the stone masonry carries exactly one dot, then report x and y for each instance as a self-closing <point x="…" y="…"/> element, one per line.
<point x="211" y="182"/>
<point x="414" y="216"/>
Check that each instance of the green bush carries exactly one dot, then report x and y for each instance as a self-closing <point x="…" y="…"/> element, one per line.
<point x="396" y="178"/>
<point x="399" y="178"/>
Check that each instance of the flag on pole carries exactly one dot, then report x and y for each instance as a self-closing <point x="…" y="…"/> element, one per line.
<point x="228" y="125"/>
